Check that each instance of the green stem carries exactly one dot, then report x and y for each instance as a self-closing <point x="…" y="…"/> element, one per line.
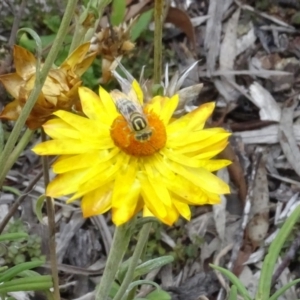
<point x="143" y="238"/>
<point x="51" y="227"/>
<point x="1" y="137"/>
<point x="63" y="29"/>
<point x="78" y="36"/>
<point x="25" y="139"/>
<point x="49" y="295"/>
<point x="118" y="248"/>
<point x="100" y="7"/>
<point x="158" y="22"/>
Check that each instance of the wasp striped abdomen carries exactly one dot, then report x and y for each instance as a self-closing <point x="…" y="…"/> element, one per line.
<point x="134" y="115"/>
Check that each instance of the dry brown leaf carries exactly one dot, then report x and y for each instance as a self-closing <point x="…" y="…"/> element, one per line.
<point x="213" y="33"/>
<point x="242" y="257"/>
<point x="250" y="125"/>
<point x="287" y="137"/>
<point x="181" y="20"/>
<point x="268" y="107"/>
<point x="235" y="171"/>
<point x="135" y="9"/>
<point x="258" y="226"/>
<point x="228" y="46"/>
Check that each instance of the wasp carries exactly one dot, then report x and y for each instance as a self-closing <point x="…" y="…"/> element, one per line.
<point x="134" y="115"/>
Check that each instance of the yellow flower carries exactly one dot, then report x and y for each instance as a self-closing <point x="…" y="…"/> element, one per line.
<point x="60" y="90"/>
<point x="110" y="164"/>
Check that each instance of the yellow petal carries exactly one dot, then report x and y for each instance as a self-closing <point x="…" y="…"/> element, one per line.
<point x="201" y="178"/>
<point x="154" y="105"/>
<point x="152" y="201"/>
<point x="84" y="160"/>
<point x="138" y="91"/>
<point x="161" y="167"/>
<point x="205" y="136"/>
<point x="194" y="120"/>
<point x="170" y="104"/>
<point x="157" y="186"/>
<point x="186" y="191"/>
<point x="96" y="202"/>
<point x="215" y="164"/>
<point x="89" y="129"/>
<point x="216" y="147"/>
<point x="193" y="162"/>
<point x="171" y="217"/>
<point x="124" y="182"/>
<point x="181" y="159"/>
<point x="182" y="208"/>
<point x="126" y="210"/>
<point x="218" y="141"/>
<point x="58" y="129"/>
<point x="64" y="184"/>
<point x="109" y="105"/>
<point x="210" y="153"/>
<point x="25" y="62"/>
<point x="92" y="105"/>
<point x="147" y="212"/>
<point x="100" y="175"/>
<point x="59" y="147"/>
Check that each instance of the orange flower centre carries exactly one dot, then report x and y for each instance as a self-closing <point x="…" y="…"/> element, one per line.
<point x="138" y="138"/>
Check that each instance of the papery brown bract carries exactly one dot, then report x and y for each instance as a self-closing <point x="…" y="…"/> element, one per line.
<point x="111" y="44"/>
<point x="59" y="90"/>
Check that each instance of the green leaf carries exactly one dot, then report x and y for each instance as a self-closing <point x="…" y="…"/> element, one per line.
<point x="13" y="236"/>
<point x="142" y="221"/>
<point x="37" y="40"/>
<point x="28" y="273"/>
<point x="264" y="286"/>
<point x="27" y="284"/>
<point x="29" y="44"/>
<point x="283" y="289"/>
<point x="141" y="24"/>
<point x="123" y="270"/>
<point x="233" y="293"/>
<point x="12" y="272"/>
<point x="152" y="264"/>
<point x="114" y="289"/>
<point x="53" y="23"/>
<point x="157" y="90"/>
<point x="139" y="282"/>
<point x="27" y="280"/>
<point x="159" y="294"/>
<point x="38" y="208"/>
<point x="12" y="190"/>
<point x="118" y="12"/>
<point x="4" y="268"/>
<point x="241" y="289"/>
